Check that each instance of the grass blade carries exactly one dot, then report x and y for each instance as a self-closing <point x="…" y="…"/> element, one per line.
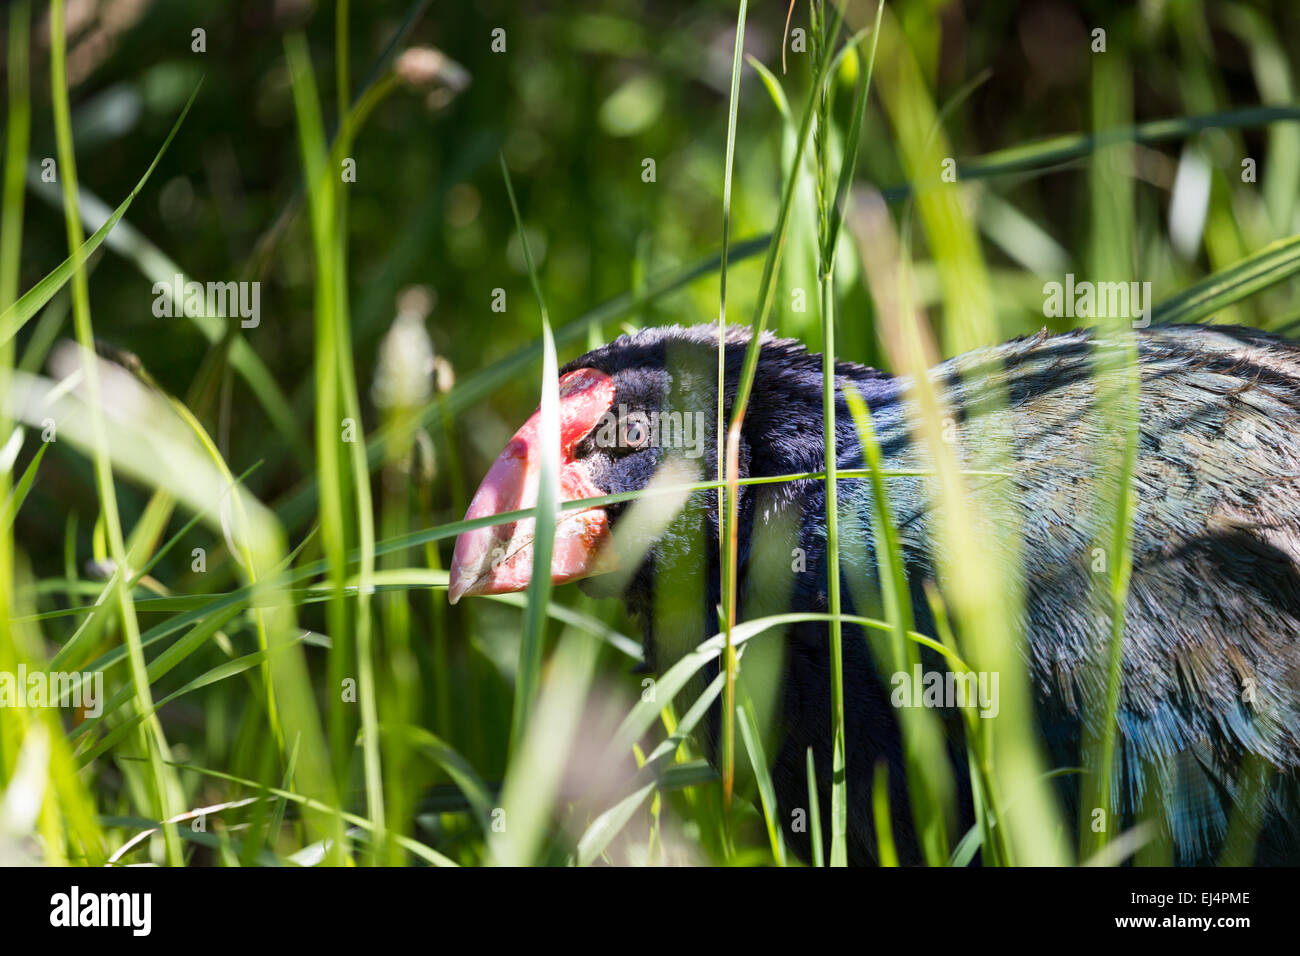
<point x="815" y="814"/>
<point x="729" y="502"/>
<point x="335" y="393"/>
<point x="729" y="693"/>
<point x="1196" y="303"/>
<point x="753" y="740"/>
<point x="15" y="316"/>
<point x="150" y="738"/>
<point x="548" y="501"/>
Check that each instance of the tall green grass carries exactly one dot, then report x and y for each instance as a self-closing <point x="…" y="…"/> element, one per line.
<point x="437" y="759"/>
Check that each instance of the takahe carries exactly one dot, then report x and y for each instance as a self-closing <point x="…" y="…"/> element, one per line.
<point x="1211" y="660"/>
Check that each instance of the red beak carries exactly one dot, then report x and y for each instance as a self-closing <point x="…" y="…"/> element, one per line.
<point x="499" y="559"/>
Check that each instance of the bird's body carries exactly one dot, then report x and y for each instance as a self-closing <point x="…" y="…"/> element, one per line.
<point x="1209" y="706"/>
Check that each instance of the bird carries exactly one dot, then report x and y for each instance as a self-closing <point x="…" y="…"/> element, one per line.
<point x="1209" y="697"/>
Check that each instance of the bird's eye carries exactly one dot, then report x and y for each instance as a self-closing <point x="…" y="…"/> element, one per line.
<point x="635" y="435"/>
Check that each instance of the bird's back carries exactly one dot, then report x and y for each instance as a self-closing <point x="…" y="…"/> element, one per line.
<point x="1210" y="698"/>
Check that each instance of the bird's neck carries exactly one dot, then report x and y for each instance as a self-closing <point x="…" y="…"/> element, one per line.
<point x="785" y="421"/>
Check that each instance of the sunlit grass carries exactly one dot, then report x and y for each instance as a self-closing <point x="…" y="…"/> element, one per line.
<point x="451" y="755"/>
